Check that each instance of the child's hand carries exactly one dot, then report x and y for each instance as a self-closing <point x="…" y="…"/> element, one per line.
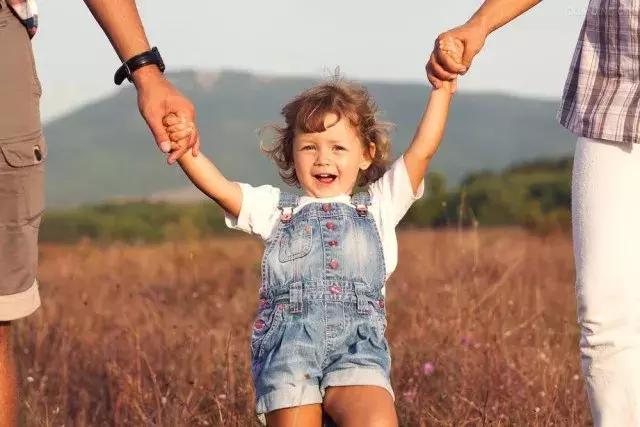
<point x="177" y="128"/>
<point x="454" y="49"/>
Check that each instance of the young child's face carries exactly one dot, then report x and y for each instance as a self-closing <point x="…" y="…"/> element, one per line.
<point x="327" y="163"/>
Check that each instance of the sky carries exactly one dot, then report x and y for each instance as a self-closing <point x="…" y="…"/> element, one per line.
<point x="372" y="40"/>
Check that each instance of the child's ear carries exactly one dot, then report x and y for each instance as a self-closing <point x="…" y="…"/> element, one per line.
<point x="368" y="157"/>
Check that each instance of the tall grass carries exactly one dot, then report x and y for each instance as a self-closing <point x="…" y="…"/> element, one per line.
<point x="481" y="328"/>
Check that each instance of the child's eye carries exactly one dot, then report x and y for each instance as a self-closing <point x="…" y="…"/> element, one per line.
<point x="308" y="147"/>
<point x="339" y="147"/>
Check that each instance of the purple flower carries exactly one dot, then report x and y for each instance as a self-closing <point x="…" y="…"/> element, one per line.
<point x="428" y="368"/>
<point x="465" y="340"/>
<point x="410" y="394"/>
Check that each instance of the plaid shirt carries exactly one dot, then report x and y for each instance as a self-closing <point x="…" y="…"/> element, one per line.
<point x="27" y="11"/>
<point x="602" y="94"/>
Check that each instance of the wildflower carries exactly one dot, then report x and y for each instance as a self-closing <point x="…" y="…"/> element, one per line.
<point x="465" y="340"/>
<point x="428" y="368"/>
<point x="410" y="394"/>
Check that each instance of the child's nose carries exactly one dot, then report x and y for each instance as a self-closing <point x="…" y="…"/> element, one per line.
<point x="322" y="158"/>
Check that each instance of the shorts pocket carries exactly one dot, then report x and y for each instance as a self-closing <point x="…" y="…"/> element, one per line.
<point x="295" y="241"/>
<point x="22" y="175"/>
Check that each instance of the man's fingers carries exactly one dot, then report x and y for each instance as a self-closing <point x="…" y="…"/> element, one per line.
<point x="159" y="133"/>
<point x="433" y="79"/>
<point x="467" y="59"/>
<point x="435" y="82"/>
<point x="438" y="71"/>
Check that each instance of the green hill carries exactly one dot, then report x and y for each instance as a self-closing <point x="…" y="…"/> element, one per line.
<point x="105" y="150"/>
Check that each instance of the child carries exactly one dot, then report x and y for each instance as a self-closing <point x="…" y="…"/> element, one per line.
<point x="318" y="340"/>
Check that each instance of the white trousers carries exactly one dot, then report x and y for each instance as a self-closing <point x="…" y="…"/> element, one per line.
<point x="606" y="235"/>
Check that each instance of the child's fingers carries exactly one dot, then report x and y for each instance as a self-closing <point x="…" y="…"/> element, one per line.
<point x="179" y="127"/>
<point x="195" y="150"/>
<point x="453" y="48"/>
<point x="448" y="55"/>
<point x="180" y="135"/>
<point x="454" y="86"/>
<point x="172" y="119"/>
<point x="446" y="62"/>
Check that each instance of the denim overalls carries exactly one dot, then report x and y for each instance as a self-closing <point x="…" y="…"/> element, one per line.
<point x="321" y="318"/>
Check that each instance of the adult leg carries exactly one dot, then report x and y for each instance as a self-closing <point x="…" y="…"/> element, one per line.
<point x="22" y="152"/>
<point x="299" y="416"/>
<point x="360" y="406"/>
<point x="606" y="233"/>
<point x="8" y="382"/>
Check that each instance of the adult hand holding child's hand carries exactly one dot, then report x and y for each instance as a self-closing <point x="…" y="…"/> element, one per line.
<point x="442" y="66"/>
<point x="453" y="49"/>
<point x="158" y="98"/>
<point x="178" y="129"/>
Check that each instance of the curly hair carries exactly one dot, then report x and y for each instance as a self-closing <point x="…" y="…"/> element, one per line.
<point x="306" y="113"/>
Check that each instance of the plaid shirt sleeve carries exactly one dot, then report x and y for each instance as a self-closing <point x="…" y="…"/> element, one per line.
<point x="27" y="11"/>
<point x="601" y="97"/>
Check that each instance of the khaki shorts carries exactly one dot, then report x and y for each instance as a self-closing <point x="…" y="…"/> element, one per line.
<point x="22" y="153"/>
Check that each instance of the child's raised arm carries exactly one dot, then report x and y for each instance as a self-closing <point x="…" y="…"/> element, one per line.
<point x="431" y="127"/>
<point x="203" y="173"/>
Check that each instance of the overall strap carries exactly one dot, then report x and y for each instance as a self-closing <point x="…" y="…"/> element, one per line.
<point x="286" y="203"/>
<point x="361" y="201"/>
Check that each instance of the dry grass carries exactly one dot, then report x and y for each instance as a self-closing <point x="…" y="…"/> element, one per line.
<point x="158" y="335"/>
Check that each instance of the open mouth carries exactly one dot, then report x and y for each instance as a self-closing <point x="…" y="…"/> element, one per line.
<point x="325" y="178"/>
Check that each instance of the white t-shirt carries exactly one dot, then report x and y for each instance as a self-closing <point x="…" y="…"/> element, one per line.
<point x="391" y="198"/>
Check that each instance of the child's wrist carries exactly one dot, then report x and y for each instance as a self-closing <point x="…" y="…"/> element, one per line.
<point x="447" y="88"/>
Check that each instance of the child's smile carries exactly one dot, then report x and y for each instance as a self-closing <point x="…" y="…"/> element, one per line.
<point x="327" y="163"/>
<point x="326" y="178"/>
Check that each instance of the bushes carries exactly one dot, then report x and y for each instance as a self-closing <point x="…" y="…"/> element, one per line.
<point x="535" y="195"/>
<point x="132" y="222"/>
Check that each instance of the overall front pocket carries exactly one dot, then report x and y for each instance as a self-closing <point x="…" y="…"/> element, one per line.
<point x="295" y="241"/>
<point x="266" y="323"/>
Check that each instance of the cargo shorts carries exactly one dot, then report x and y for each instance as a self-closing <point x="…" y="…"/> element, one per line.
<point x="22" y="154"/>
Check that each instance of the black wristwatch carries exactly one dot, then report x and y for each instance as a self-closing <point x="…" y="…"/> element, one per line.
<point x="129" y="66"/>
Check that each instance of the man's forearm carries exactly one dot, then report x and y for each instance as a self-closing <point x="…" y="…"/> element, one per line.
<point x="493" y="14"/>
<point x="121" y="23"/>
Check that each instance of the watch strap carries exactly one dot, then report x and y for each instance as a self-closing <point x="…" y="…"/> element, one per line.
<point x="138" y="61"/>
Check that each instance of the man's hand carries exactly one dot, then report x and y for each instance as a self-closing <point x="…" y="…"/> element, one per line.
<point x="157" y="98"/>
<point x="441" y="65"/>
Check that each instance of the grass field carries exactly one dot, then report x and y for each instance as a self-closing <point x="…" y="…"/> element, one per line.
<point x="481" y="327"/>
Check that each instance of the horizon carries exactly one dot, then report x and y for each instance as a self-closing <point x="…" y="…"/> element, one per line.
<point x="472" y="91"/>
